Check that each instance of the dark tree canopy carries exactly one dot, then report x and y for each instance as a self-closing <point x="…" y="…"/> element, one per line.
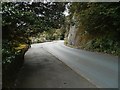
<point x="24" y="19"/>
<point x="100" y="21"/>
<point x="21" y="20"/>
<point x="101" y="18"/>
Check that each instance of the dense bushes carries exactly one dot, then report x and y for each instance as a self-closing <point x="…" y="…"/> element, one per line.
<point x="101" y="21"/>
<point x="20" y="21"/>
<point x="12" y="60"/>
<point x="53" y="34"/>
<point x="103" y="45"/>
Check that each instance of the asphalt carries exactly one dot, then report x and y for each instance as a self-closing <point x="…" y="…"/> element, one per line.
<point x="98" y="68"/>
<point x="43" y="70"/>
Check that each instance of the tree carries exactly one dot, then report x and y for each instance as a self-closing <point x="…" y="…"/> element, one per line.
<point x="100" y="21"/>
<point x="25" y="19"/>
<point x="20" y="20"/>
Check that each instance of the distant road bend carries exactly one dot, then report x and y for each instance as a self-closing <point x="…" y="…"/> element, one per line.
<point x="100" y="69"/>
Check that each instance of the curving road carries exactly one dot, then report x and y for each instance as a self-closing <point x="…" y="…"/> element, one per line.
<point x="100" y="69"/>
<point x="43" y="70"/>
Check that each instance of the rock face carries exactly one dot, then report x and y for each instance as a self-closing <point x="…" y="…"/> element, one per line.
<point x="71" y="35"/>
<point x="72" y="32"/>
<point x="77" y="36"/>
<point x="90" y="29"/>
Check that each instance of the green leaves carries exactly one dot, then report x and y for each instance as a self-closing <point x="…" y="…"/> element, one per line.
<point x="21" y="20"/>
<point x="101" y="21"/>
<point x="22" y="16"/>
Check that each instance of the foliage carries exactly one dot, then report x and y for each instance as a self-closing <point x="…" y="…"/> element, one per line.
<point x="100" y="20"/>
<point x="26" y="19"/>
<point x="21" y="20"/>
<point x="12" y="60"/>
<point x="103" y="45"/>
<point x="53" y="34"/>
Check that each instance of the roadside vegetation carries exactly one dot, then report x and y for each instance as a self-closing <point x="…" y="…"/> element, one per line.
<point x="98" y="26"/>
<point x="20" y="22"/>
<point x="47" y="36"/>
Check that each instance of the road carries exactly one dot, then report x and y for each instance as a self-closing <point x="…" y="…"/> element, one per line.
<point x="100" y="69"/>
<point x="43" y="70"/>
